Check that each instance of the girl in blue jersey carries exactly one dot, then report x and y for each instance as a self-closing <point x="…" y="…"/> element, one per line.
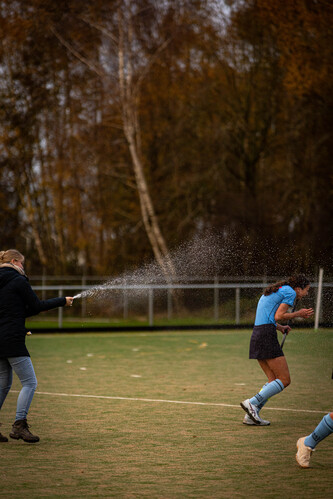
<point x="264" y="346"/>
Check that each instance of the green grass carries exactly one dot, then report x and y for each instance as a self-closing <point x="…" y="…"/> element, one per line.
<point x="86" y="323"/>
<point x="126" y="448"/>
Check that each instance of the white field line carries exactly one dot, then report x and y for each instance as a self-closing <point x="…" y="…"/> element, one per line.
<point x="133" y="399"/>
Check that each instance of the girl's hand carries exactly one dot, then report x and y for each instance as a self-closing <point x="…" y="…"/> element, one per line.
<point x="286" y="329"/>
<point x="305" y="312"/>
<point x="69" y="301"/>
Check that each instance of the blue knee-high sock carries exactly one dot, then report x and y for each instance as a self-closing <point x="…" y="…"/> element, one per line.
<point x="324" y="429"/>
<point x="267" y="392"/>
<point x="260" y="406"/>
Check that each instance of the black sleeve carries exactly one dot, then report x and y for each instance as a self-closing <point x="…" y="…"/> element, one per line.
<point x="33" y="304"/>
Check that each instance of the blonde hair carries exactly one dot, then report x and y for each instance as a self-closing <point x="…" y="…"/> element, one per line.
<point x="9" y="255"/>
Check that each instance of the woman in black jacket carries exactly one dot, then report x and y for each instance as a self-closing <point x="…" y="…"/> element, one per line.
<point x="18" y="301"/>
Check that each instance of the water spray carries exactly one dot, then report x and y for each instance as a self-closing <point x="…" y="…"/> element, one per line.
<point x="199" y="257"/>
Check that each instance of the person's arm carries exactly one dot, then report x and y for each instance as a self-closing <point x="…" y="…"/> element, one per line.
<point x="282" y="313"/>
<point x="33" y="304"/>
<point x="283" y="329"/>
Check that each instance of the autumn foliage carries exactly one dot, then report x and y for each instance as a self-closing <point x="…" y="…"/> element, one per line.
<point x="128" y="127"/>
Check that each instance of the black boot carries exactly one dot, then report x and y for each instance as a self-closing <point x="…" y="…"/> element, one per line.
<point x="20" y="429"/>
<point x="2" y="437"/>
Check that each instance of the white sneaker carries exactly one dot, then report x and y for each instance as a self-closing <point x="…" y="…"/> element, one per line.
<point x="303" y="453"/>
<point x="247" y="420"/>
<point x="251" y="410"/>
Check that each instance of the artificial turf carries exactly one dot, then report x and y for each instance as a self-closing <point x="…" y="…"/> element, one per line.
<point x="157" y="415"/>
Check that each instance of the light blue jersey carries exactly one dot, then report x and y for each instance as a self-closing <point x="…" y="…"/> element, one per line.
<point x="268" y="305"/>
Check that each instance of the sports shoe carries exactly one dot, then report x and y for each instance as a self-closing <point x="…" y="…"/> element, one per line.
<point x="251" y="410"/>
<point x="2" y="437"/>
<point x="247" y="420"/>
<point x="303" y="453"/>
<point x="20" y="429"/>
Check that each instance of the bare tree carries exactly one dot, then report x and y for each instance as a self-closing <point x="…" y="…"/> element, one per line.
<point x="130" y="94"/>
<point x="128" y="85"/>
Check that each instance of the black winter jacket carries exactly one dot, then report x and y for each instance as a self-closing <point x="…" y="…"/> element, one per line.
<point x="18" y="301"/>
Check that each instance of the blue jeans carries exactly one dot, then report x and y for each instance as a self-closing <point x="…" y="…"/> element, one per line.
<point x="23" y="367"/>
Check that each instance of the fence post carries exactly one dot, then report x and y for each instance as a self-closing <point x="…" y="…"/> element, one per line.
<point x="43" y="284"/>
<point x="216" y="299"/>
<point x="60" y="312"/>
<point x="125" y="311"/>
<point x="169" y="303"/>
<point x="151" y="306"/>
<point x="83" y="301"/>
<point x="319" y="293"/>
<point x="237" y="305"/>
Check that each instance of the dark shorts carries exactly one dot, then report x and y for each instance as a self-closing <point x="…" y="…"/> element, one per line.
<point x="264" y="343"/>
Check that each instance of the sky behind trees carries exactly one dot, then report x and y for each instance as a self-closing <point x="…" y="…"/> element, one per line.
<point x="130" y="127"/>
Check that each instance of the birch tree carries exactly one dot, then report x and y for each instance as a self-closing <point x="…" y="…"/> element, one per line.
<point x="129" y="96"/>
<point x="123" y="53"/>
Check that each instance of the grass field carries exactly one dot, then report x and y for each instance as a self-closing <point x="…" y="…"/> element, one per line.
<point x="157" y="415"/>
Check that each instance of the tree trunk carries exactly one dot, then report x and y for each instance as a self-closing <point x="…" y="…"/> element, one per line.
<point x="30" y="212"/>
<point x="132" y="133"/>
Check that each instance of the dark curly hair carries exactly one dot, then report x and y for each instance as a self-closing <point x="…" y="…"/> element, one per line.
<point x="295" y="281"/>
